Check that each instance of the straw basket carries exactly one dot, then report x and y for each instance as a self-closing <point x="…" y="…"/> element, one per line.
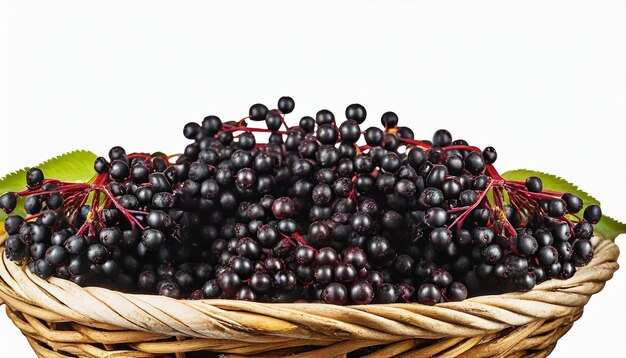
<point x="61" y="319"/>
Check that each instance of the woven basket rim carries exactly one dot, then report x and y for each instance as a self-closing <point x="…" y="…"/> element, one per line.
<point x="62" y="300"/>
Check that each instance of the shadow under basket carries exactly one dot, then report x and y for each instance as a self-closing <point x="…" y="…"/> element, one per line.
<point x="61" y="319"/>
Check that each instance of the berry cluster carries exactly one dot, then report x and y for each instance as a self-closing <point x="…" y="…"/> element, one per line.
<point x="310" y="215"/>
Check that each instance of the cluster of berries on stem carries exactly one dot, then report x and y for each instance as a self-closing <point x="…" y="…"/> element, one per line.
<point x="322" y="211"/>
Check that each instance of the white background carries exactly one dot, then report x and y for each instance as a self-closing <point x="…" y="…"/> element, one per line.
<point x="542" y="81"/>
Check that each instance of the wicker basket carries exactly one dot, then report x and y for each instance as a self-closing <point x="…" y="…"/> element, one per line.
<point x="61" y="319"/>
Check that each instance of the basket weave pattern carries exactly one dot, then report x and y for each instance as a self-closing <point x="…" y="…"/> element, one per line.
<point x="61" y="319"/>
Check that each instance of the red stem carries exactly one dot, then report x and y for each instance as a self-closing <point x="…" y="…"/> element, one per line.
<point x="300" y="238"/>
<point x="461" y="218"/>
<point x="34" y="216"/>
<point x="282" y="118"/>
<point x="139" y="155"/>
<point x="249" y="129"/>
<point x="71" y="187"/>
<point x="499" y="199"/>
<point x="522" y="186"/>
<point x="131" y="219"/>
<point x="571" y="224"/>
<point x="415" y="142"/>
<point x="463" y="147"/>
<point x="139" y="212"/>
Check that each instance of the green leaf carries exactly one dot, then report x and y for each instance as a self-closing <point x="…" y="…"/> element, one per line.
<point x="608" y="227"/>
<point x="551" y="182"/>
<point x="76" y="166"/>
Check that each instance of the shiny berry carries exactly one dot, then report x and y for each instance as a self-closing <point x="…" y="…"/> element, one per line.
<point x="389" y="120"/>
<point x="490" y="155"/>
<point x="474" y="163"/>
<point x="574" y="203"/>
<point x="335" y="294"/>
<point x="361" y="292"/>
<point x="286" y="104"/>
<point x="534" y="184"/>
<point x="283" y="208"/>
<point x="583" y="230"/>
<point x="356" y="112"/>
<point x="455" y="292"/>
<point x="593" y="214"/>
<point x="556" y="207"/>
<point x="428" y="294"/>
<point x="8" y="201"/>
<point x="527" y="244"/>
<point x="34" y="177"/>
<point x="547" y="255"/>
<point x="258" y="112"/>
<point x="583" y="252"/>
